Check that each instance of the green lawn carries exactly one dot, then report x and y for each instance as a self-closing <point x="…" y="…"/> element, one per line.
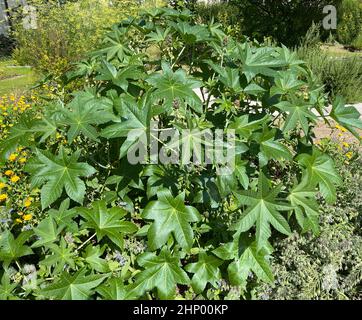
<point x="15" y="79"/>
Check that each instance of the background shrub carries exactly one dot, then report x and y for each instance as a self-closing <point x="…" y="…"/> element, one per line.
<point x="227" y="14"/>
<point x="350" y="23"/>
<point x="66" y="32"/>
<point x="339" y="75"/>
<point x="285" y="21"/>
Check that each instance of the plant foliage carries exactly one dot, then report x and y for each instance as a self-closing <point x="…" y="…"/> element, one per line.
<point x="116" y="230"/>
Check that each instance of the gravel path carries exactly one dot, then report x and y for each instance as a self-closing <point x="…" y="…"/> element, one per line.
<point x="359" y="107"/>
<point x="323" y="131"/>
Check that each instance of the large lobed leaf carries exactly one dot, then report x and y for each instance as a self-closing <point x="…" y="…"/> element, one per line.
<point x="59" y="172"/>
<point x="170" y="216"/>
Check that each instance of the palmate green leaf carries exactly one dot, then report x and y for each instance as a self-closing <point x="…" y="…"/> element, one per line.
<point x="251" y="260"/>
<point x="347" y="116"/>
<point x="45" y="128"/>
<point x="247" y="257"/>
<point x="229" y="250"/>
<point x="255" y="61"/>
<point x="192" y="142"/>
<point x="205" y="270"/>
<point x="230" y="77"/>
<point x="12" y="249"/>
<point x="320" y="170"/>
<point x="20" y="134"/>
<point x="289" y="57"/>
<point x="73" y="287"/>
<point x="61" y="255"/>
<point x="172" y="86"/>
<point x="134" y="124"/>
<point x="47" y="232"/>
<point x="254" y="89"/>
<point x="107" y="222"/>
<point x="245" y="126"/>
<point x="84" y="112"/>
<point x="7" y="288"/>
<point x="92" y="257"/>
<point x="170" y="215"/>
<point x="302" y="197"/>
<point x="286" y="82"/>
<point x="262" y="211"/>
<point x="64" y="216"/>
<point x="81" y="69"/>
<point x="112" y="289"/>
<point x="159" y="35"/>
<point x="121" y="77"/>
<point x="298" y="113"/>
<point x="58" y="172"/>
<point x="159" y="177"/>
<point x="270" y="148"/>
<point x="190" y="33"/>
<point x="115" y="45"/>
<point x="135" y="117"/>
<point x="163" y="272"/>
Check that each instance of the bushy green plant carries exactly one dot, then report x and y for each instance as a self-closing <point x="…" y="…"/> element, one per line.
<point x="284" y="20"/>
<point x="226" y="14"/>
<point x="118" y="229"/>
<point x="64" y="33"/>
<point x="357" y="42"/>
<point x="350" y="25"/>
<point x="339" y="75"/>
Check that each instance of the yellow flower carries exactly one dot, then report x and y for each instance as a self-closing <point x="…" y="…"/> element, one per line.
<point x="2" y="185"/>
<point x="18" y="220"/>
<point x="345" y="144"/>
<point x="27" y="217"/>
<point x="341" y="128"/>
<point x="349" y="155"/>
<point x="9" y="173"/>
<point x="14" y="179"/>
<point x="3" y="197"/>
<point x="27" y="202"/>
<point x="22" y="160"/>
<point x="20" y="213"/>
<point x="13" y="157"/>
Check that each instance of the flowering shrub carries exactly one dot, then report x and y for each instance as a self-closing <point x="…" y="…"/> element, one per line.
<point x="17" y="198"/>
<point x="65" y="33"/>
<point x="349" y="28"/>
<point x="116" y="228"/>
<point x="11" y="107"/>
